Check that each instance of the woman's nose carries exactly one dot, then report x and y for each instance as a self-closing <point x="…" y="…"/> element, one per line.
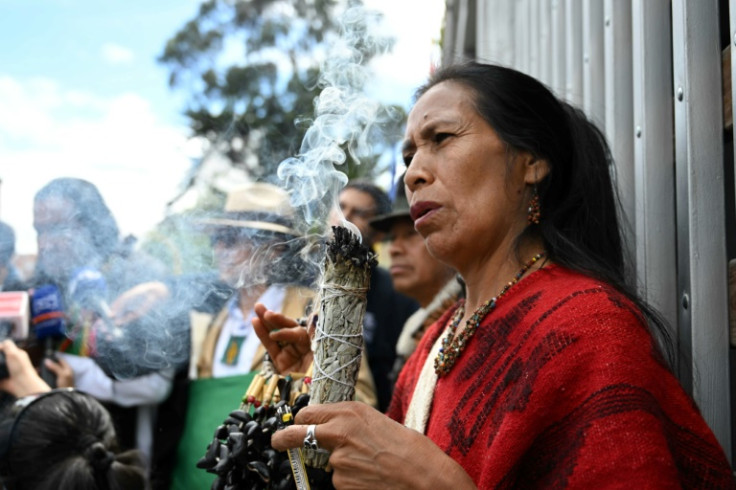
<point x="416" y="175"/>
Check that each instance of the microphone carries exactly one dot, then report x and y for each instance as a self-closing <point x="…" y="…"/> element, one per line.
<point x="49" y="323"/>
<point x="13" y="321"/>
<point x="88" y="291"/>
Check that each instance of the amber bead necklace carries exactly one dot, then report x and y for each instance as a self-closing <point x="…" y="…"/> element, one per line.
<point x="452" y="345"/>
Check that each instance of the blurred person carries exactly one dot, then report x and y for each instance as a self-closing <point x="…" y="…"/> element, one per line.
<point x="78" y="240"/>
<point x="386" y="309"/>
<point x="75" y="229"/>
<point x="416" y="274"/>
<point x="552" y="359"/>
<point x="59" y="439"/>
<point x="10" y="280"/>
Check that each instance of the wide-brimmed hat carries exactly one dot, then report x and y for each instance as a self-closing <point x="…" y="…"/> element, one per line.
<point x="399" y="210"/>
<point x="258" y="206"/>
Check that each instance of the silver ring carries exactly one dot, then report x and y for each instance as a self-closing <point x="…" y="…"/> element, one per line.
<point x="310" y="442"/>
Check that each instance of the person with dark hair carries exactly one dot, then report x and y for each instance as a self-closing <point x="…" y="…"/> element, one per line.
<point x="59" y="439"/>
<point x="108" y="354"/>
<point x="546" y="374"/>
<point x="386" y="309"/>
<point x="75" y="229"/>
<point x="9" y="278"/>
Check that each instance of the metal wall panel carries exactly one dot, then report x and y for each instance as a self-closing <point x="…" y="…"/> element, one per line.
<point x="495" y="32"/>
<point x="574" y="52"/>
<point x="532" y="34"/>
<point x="557" y="43"/>
<point x="654" y="168"/>
<point x="521" y="36"/>
<point x="593" y="63"/>
<point x="619" y="107"/>
<point x="544" y="51"/>
<point x="702" y="279"/>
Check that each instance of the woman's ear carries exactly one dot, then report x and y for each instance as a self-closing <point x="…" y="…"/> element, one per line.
<point x="536" y="169"/>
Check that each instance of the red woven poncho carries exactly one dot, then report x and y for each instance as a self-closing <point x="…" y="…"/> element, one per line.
<point x="561" y="387"/>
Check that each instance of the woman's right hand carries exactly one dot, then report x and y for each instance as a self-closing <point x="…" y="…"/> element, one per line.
<point x="370" y="450"/>
<point x="286" y="341"/>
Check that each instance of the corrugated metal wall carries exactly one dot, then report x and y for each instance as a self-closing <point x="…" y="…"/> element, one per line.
<point x="648" y="72"/>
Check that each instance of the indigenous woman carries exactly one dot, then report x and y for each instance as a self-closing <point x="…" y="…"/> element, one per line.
<point x="550" y="372"/>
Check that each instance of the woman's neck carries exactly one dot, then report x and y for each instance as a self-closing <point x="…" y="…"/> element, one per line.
<point x="488" y="281"/>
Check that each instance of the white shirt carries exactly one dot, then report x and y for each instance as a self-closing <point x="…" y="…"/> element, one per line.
<point x="238" y="325"/>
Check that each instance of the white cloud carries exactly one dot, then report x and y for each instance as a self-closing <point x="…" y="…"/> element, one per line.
<point x="116" y="54"/>
<point x="118" y="144"/>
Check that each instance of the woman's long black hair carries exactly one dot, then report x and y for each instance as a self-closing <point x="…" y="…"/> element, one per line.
<point x="581" y="226"/>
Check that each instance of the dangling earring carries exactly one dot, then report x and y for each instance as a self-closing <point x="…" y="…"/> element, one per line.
<point x="533" y="212"/>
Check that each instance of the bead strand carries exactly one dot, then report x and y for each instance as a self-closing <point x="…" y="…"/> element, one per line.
<point x="453" y="345"/>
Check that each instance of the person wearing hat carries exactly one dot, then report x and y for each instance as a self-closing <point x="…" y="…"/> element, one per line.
<point x="416" y="274"/>
<point x="254" y="245"/>
<point x="256" y="250"/>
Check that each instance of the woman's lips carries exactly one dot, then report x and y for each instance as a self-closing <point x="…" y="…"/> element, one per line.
<point x="421" y="209"/>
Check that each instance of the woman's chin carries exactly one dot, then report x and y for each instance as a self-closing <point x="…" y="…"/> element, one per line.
<point x="440" y="249"/>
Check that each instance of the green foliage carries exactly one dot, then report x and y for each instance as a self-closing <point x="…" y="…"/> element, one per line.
<point x="252" y="69"/>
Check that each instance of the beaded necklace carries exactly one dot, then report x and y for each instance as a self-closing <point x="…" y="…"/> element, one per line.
<point x="452" y="346"/>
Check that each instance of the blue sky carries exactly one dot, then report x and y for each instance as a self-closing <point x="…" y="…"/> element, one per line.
<point x="105" y="47"/>
<point x="81" y="95"/>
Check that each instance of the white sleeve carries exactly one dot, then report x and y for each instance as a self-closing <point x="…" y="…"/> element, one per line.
<point x="144" y="390"/>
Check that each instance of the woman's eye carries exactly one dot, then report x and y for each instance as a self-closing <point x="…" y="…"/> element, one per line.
<point x="440" y="137"/>
<point x="407" y="159"/>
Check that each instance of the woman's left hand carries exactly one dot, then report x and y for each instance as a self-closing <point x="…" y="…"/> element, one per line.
<point x="369" y="450"/>
<point x="287" y="343"/>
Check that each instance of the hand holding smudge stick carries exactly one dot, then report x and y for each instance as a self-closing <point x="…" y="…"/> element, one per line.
<point x="338" y="340"/>
<point x="240" y="453"/>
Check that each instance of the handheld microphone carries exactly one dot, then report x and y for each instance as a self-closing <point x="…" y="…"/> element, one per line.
<point x="88" y="290"/>
<point x="49" y="323"/>
<point x="14" y="310"/>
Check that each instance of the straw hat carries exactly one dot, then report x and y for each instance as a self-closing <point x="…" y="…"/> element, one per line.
<point x="258" y="206"/>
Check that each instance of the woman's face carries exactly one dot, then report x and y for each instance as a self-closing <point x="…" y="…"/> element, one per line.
<point x="468" y="195"/>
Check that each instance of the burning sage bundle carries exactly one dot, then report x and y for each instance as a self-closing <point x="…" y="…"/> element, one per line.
<point x="338" y="339"/>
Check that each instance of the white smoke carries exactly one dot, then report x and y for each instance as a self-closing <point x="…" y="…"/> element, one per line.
<point x="344" y="116"/>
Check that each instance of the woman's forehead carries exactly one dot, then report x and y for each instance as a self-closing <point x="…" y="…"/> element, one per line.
<point x="446" y="99"/>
